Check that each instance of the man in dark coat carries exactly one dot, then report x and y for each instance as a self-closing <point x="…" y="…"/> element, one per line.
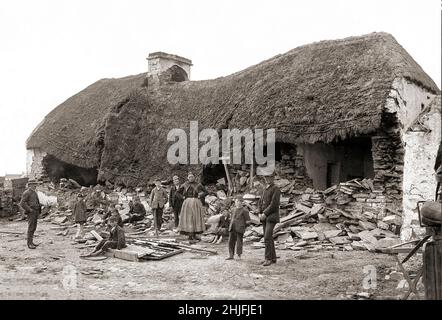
<point x="32" y="208"/>
<point x="176" y="199"/>
<point x="438" y="169"/>
<point x="269" y="216"/>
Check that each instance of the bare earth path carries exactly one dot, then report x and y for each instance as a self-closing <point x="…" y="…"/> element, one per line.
<point x="55" y="271"/>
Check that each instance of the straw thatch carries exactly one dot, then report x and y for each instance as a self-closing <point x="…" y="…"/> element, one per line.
<point x="323" y="91"/>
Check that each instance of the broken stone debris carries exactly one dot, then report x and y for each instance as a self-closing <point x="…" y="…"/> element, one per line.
<point x="310" y="219"/>
<point x="329" y="219"/>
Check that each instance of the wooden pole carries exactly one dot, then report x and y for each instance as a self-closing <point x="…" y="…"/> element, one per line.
<point x="229" y="180"/>
<point x="251" y="174"/>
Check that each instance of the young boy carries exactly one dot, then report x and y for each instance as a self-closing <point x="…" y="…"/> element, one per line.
<point x="116" y="239"/>
<point x="112" y="211"/>
<point x="137" y="212"/>
<point x="240" y="218"/>
<point x="80" y="215"/>
<point x="158" y="198"/>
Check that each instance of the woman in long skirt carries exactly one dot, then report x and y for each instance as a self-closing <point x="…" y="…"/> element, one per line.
<point x="192" y="211"/>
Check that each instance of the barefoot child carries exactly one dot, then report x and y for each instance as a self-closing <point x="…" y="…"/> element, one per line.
<point x="240" y="218"/>
<point x="222" y="229"/>
<point x="116" y="239"/>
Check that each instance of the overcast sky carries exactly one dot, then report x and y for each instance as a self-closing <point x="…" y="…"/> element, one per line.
<point x="51" y="49"/>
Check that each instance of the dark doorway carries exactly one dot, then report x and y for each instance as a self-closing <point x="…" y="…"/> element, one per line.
<point x="332" y="174"/>
<point x="57" y="169"/>
<point x="212" y="173"/>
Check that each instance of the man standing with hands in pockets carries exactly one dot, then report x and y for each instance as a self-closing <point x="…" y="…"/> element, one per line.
<point x="269" y="216"/>
<point x="31" y="205"/>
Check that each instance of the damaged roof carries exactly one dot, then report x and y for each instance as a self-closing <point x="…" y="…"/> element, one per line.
<point x="320" y="92"/>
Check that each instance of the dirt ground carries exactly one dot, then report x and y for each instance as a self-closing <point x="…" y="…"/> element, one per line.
<point x="55" y="271"/>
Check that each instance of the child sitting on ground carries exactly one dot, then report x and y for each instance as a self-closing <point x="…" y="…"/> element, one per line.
<point x="113" y="212"/>
<point x="116" y="239"/>
<point x="222" y="228"/>
<point x="240" y="219"/>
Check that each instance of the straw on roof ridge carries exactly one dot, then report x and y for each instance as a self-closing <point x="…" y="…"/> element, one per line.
<point x="323" y="91"/>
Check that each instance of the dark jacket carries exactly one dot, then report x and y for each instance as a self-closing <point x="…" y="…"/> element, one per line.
<point x="117" y="235"/>
<point x="111" y="213"/>
<point x="80" y="211"/>
<point x="29" y="201"/>
<point x="158" y="198"/>
<point x="176" y="198"/>
<point x="194" y="190"/>
<point x="224" y="222"/>
<point x="438" y="161"/>
<point x="239" y="220"/>
<point x="137" y="208"/>
<point x="269" y="203"/>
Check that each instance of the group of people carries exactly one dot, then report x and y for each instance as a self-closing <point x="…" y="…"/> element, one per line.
<point x="187" y="203"/>
<point x="233" y="223"/>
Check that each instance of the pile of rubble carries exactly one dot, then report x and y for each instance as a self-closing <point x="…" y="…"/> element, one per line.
<point x="7" y="204"/>
<point x="58" y="200"/>
<point x="335" y="218"/>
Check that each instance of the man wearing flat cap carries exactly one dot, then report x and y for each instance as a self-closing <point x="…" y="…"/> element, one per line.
<point x="31" y="205"/>
<point x="269" y="216"/>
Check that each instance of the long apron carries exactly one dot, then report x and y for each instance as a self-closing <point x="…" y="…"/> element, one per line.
<point x="192" y="216"/>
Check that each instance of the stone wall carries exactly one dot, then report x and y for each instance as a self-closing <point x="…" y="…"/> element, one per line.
<point x="419" y="176"/>
<point x="34" y="165"/>
<point x="404" y="104"/>
<point x="160" y="62"/>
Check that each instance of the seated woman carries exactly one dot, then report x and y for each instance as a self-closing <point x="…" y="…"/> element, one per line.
<point x="116" y="239"/>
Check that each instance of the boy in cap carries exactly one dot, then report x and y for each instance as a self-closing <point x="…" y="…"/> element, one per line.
<point x="137" y="212"/>
<point x="158" y="198"/>
<point x="80" y="215"/>
<point x="112" y="211"/>
<point x="116" y="239"/>
<point x="239" y="220"/>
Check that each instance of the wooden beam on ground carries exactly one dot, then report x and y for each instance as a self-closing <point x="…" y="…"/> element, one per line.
<point x="11" y="232"/>
<point x="179" y="245"/>
<point x="96" y="235"/>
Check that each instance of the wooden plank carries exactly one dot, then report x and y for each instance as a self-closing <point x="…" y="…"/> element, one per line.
<point x="291" y="216"/>
<point x="130" y="253"/>
<point x="397" y="250"/>
<point x="124" y="255"/>
<point x="181" y="246"/>
<point x="96" y="235"/>
<point x="163" y="256"/>
<point x="10" y="232"/>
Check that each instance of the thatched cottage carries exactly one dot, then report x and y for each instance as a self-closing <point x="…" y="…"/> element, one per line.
<point x="342" y="109"/>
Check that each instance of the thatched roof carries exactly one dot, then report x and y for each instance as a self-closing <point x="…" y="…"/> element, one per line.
<point x="71" y="132"/>
<point x="319" y="92"/>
